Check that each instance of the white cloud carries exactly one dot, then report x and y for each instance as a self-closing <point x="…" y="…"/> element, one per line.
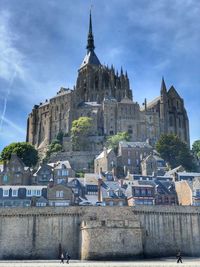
<point x="11" y="60"/>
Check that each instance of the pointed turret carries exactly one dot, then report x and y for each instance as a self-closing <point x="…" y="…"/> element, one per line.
<point x="163" y="88"/>
<point x="121" y="71"/>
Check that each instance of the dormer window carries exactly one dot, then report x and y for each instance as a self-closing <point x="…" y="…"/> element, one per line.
<point x="111" y="193"/>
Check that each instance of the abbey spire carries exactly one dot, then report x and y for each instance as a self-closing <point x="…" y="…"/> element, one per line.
<point x="90" y="58"/>
<point x="90" y="40"/>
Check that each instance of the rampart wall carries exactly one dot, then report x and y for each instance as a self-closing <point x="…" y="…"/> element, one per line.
<point x="143" y="231"/>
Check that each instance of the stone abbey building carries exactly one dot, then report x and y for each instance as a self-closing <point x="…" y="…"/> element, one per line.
<point x="105" y="95"/>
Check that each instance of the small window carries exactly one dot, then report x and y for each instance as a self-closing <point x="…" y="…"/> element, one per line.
<point x="5" y="178"/>
<point x="38" y="193"/>
<point x="28" y="193"/>
<point x="59" y="194"/>
<point x="6" y="193"/>
<point x="14" y="192"/>
<point x="64" y="172"/>
<point x="137" y="192"/>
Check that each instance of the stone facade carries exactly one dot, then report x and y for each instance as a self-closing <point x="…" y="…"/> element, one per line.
<point x="130" y="155"/>
<point x="105" y="162"/>
<point x="153" y="165"/>
<point x="60" y="195"/>
<point x="15" y="172"/>
<point x="105" y="95"/>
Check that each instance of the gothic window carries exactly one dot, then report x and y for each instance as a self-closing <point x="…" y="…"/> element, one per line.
<point x="130" y="131"/>
<point x="170" y="121"/>
<point x="111" y="132"/>
<point x="96" y="83"/>
<point x="179" y="120"/>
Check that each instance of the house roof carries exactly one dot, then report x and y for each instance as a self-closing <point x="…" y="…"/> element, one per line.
<point x="64" y="162"/>
<point x="28" y="187"/>
<point x="134" y="144"/>
<point x="189" y="174"/>
<point x="42" y="199"/>
<point x="101" y="155"/>
<point x="173" y="171"/>
<point x="115" y="187"/>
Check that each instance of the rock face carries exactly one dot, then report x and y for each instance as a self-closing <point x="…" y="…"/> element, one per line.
<point x="99" y="232"/>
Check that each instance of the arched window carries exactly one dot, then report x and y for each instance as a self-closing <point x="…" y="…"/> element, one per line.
<point x="170" y="121"/>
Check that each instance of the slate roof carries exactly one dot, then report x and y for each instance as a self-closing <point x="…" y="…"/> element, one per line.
<point x="60" y="163"/>
<point x="114" y="186"/>
<point x="89" y="104"/>
<point x="90" y="58"/>
<point x="134" y="144"/>
<point x="100" y="156"/>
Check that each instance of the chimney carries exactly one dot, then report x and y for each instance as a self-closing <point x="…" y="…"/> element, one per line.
<point x="99" y="189"/>
<point x="51" y="183"/>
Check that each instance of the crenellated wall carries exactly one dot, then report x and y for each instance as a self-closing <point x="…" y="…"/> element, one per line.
<point x="99" y="232"/>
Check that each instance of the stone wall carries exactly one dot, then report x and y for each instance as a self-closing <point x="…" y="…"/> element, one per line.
<point x="167" y="229"/>
<point x="32" y="233"/>
<point x="99" y="232"/>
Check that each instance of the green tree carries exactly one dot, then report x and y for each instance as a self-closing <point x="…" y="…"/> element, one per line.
<point x="196" y="148"/>
<point x="60" y="136"/>
<point x="55" y="146"/>
<point x="80" y="131"/>
<point x="175" y="152"/>
<point x="113" y="141"/>
<point x="25" y="151"/>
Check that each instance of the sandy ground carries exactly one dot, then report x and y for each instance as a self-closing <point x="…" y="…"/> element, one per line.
<point x="193" y="262"/>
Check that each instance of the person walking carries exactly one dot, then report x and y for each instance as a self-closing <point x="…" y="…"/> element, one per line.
<point x="179" y="258"/>
<point x="67" y="257"/>
<point x="62" y="258"/>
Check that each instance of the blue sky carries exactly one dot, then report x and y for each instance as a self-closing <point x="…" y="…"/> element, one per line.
<point x="42" y="44"/>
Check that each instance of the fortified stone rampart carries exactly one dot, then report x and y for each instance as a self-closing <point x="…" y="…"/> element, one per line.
<point x="99" y="232"/>
<point x="167" y="229"/>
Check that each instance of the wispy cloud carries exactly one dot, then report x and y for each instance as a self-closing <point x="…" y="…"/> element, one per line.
<point x="11" y="59"/>
<point x="13" y="125"/>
